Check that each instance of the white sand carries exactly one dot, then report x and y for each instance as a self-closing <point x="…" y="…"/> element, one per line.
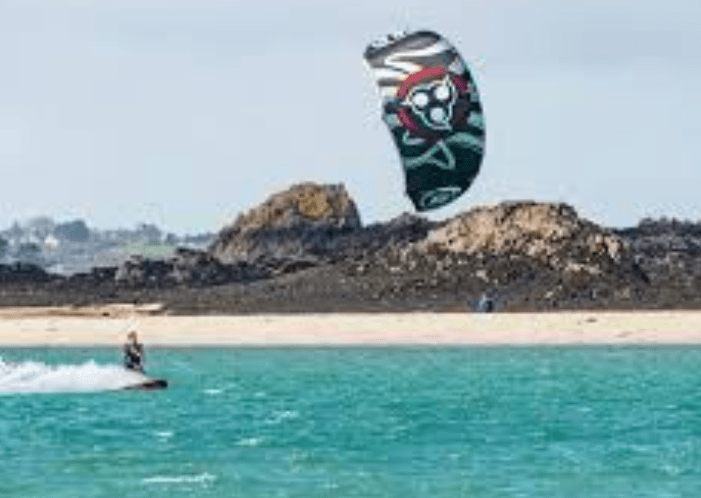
<point x="108" y="326"/>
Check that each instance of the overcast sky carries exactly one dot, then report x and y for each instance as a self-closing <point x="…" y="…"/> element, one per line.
<point x="184" y="113"/>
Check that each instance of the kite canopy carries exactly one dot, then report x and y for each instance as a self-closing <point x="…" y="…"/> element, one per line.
<point x="431" y="106"/>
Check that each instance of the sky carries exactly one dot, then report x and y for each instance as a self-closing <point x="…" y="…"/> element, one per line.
<point x="186" y="113"/>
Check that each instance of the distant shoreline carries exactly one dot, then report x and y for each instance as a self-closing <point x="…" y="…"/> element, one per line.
<point x="107" y="326"/>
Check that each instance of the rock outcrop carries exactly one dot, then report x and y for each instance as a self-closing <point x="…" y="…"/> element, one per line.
<point x="669" y="251"/>
<point x="188" y="267"/>
<point x="524" y="254"/>
<point x="305" y="250"/>
<point x="288" y="224"/>
<point x="23" y="273"/>
<point x="552" y="234"/>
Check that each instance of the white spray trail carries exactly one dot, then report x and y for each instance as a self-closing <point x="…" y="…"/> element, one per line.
<point x="37" y="377"/>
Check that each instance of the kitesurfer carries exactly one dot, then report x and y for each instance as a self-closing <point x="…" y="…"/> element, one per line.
<point x="133" y="353"/>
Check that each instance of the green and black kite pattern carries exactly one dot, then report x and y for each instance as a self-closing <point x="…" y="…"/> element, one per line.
<point x="432" y="108"/>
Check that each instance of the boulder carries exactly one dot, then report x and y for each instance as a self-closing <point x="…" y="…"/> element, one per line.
<point x="287" y="224"/>
<point x="551" y="233"/>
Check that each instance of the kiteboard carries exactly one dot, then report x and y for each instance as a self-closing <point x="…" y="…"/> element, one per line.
<point x="431" y="105"/>
<point x="147" y="385"/>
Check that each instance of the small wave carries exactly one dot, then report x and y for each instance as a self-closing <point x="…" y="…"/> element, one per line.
<point x="37" y="377"/>
<point x="189" y="479"/>
<point x="250" y="442"/>
<point x="278" y="417"/>
<point x="213" y="391"/>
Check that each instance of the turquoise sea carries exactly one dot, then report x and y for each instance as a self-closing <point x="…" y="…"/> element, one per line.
<point x="383" y="422"/>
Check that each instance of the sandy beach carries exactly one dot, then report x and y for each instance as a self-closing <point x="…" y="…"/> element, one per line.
<point x="107" y="326"/>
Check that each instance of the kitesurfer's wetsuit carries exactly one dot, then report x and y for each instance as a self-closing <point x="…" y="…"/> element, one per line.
<point x="134" y="356"/>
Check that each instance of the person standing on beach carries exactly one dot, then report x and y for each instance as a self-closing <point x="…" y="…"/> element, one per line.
<point x="133" y="353"/>
<point x="485" y="304"/>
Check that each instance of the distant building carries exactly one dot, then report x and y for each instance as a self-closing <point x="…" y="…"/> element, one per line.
<point x="51" y="243"/>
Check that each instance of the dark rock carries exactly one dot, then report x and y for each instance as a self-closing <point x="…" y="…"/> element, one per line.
<point x="21" y="272"/>
<point x="188" y="267"/>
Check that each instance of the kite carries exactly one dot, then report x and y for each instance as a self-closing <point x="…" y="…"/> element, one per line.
<point x="431" y="105"/>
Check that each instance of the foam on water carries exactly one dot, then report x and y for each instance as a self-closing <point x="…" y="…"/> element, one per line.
<point x="189" y="479"/>
<point x="37" y="377"/>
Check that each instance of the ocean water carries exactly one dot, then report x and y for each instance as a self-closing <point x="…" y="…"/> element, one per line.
<point x="385" y="422"/>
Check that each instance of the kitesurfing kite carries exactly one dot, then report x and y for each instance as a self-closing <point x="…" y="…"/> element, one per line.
<point x="431" y="106"/>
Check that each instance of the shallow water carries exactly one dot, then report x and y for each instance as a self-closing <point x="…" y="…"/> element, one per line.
<point x="477" y="422"/>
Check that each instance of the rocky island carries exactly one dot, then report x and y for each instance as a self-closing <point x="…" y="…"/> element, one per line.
<point x="305" y="250"/>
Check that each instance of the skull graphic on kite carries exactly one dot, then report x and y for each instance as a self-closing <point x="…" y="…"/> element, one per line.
<point x="431" y="106"/>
